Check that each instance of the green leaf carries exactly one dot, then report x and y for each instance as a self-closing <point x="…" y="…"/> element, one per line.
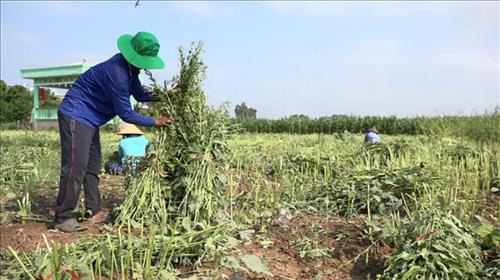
<point x="231" y="262"/>
<point x="166" y="275"/>
<point x="232" y="242"/>
<point x="10" y="195"/>
<point x="84" y="271"/>
<point x="411" y="272"/>
<point x="439" y="248"/>
<point x="405" y="256"/>
<point x="483" y="229"/>
<point x="186" y="224"/>
<point x="246" y="234"/>
<point x="266" y="243"/>
<point x="255" y="264"/>
<point x="134" y="224"/>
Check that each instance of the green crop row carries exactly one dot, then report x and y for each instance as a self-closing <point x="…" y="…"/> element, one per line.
<point x="482" y="127"/>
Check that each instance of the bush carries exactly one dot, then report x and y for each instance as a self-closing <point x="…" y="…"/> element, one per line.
<point x="16" y="101"/>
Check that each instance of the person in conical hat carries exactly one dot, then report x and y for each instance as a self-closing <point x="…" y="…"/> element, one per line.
<point x="98" y="95"/>
<point x="131" y="149"/>
<point x="128" y="129"/>
<point x="372" y="136"/>
<point x="134" y="144"/>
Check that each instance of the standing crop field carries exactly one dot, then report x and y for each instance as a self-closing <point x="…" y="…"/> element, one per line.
<point x="214" y="203"/>
<point x="484" y="128"/>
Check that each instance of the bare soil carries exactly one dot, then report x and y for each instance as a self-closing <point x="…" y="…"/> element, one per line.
<point x="29" y="235"/>
<point x="342" y="240"/>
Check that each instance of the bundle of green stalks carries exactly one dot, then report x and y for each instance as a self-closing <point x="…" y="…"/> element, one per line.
<point x="184" y="176"/>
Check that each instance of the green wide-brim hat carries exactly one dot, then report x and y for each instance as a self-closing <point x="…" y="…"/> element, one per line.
<point x="141" y="50"/>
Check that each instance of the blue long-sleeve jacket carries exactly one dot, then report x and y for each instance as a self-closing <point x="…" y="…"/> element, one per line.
<point x="103" y="92"/>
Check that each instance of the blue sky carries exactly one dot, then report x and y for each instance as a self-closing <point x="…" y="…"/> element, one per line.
<point x="284" y="58"/>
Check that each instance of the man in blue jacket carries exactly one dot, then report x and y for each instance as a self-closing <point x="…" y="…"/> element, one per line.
<point x="99" y="94"/>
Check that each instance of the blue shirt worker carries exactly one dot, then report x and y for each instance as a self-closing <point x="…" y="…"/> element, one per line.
<point x="132" y="147"/>
<point x="372" y="136"/>
<point x="100" y="94"/>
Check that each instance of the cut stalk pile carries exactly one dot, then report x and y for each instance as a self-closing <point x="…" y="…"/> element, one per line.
<point x="184" y="177"/>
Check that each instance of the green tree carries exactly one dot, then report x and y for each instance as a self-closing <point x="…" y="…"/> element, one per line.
<point x="244" y="112"/>
<point x="3" y="87"/>
<point x="15" y="102"/>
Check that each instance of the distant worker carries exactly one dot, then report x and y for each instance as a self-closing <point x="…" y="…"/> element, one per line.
<point x="131" y="150"/>
<point x="97" y="96"/>
<point x="372" y="136"/>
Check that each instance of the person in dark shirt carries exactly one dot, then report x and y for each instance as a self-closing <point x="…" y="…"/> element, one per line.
<point x="100" y="94"/>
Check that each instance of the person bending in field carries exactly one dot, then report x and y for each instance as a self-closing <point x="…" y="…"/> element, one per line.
<point x="99" y="94"/>
<point x="131" y="150"/>
<point x="372" y="136"/>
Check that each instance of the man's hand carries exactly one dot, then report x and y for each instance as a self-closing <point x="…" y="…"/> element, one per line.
<point x="164" y="121"/>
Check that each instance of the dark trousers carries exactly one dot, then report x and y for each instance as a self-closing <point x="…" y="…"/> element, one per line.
<point x="80" y="165"/>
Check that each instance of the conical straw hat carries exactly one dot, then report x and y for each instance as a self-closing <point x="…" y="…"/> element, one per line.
<point x="128" y="128"/>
